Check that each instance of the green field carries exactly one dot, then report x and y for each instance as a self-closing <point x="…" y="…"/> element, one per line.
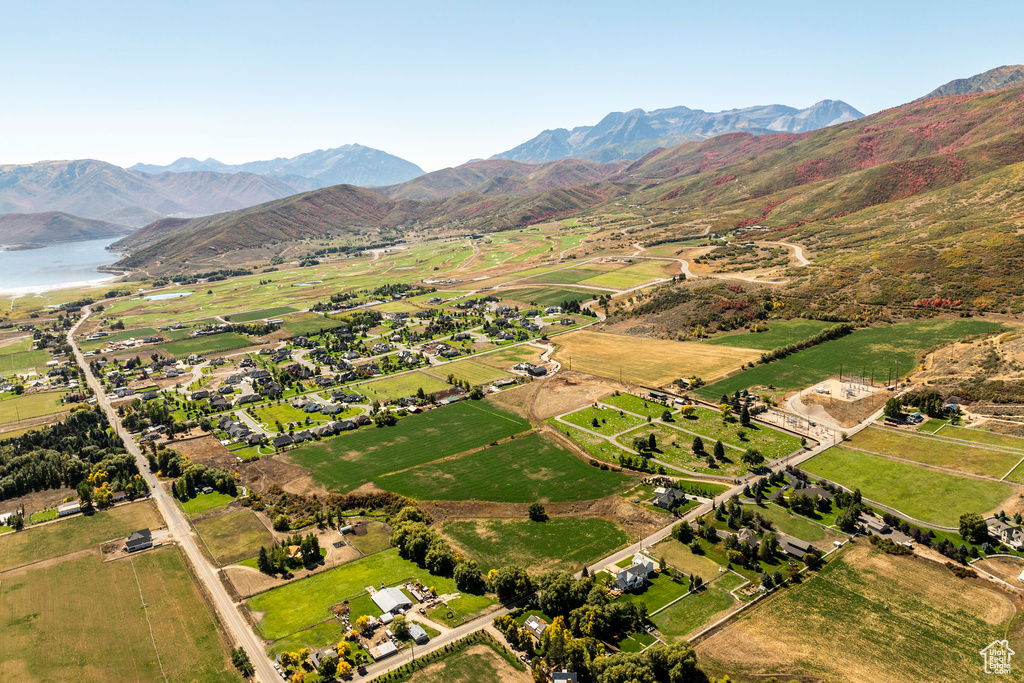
<point x="871" y="350"/>
<point x="659" y="591"/>
<point x="989" y="462"/>
<point x="478" y="663"/>
<point x="265" y="314"/>
<point x="552" y="296"/>
<point x="26" y="360"/>
<point x="565" y="543"/>
<point x="401" y="386"/>
<point x="792" y="524"/>
<point x="234" y="536"/>
<point x="301" y="604"/>
<point x="310" y="326"/>
<point x="532" y="468"/>
<point x="27" y="406"/>
<point x="351" y="460"/>
<point x="204" y="502"/>
<point x="708" y="424"/>
<point x="635" y="404"/>
<point x="59" y="538"/>
<point x="778" y="333"/>
<point x="631" y="276"/>
<point x="216" y="343"/>
<point x="567" y="276"/>
<point x="905" y="620"/>
<point x="121" y="335"/>
<point x="602" y="449"/>
<point x="469" y="370"/>
<point x="609" y="421"/>
<point x="83" y="619"/>
<point x="925" y="494"/>
<point x="377" y="538"/>
<point x="693" y="611"/>
<point x="981" y="436"/>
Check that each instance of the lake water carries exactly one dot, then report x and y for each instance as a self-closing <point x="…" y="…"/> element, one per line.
<point x="165" y="297"/>
<point x="72" y="264"/>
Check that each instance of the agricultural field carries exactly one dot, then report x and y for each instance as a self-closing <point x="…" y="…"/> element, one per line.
<point x="925" y="494"/>
<point x="777" y="333"/>
<point x="233" y="536"/>
<point x="989" y="461"/>
<point x="794" y="525"/>
<point x="76" y="533"/>
<point x="301" y="604"/>
<point x="565" y="543"/>
<point x="524" y="470"/>
<point x="512" y="355"/>
<point x="135" y="619"/>
<point x="636" y="274"/>
<point x="216" y="343"/>
<point x="475" y="664"/>
<point x="121" y="335"/>
<point x="264" y="314"/>
<point x="650" y="362"/>
<point x="979" y="436"/>
<point x="400" y="386"/>
<point x="551" y="296"/>
<point x="30" y="405"/>
<point x="564" y="276"/>
<point x="904" y="620"/>
<point x="20" y="362"/>
<point x="311" y="325"/>
<point x="868" y="350"/>
<point x="351" y="460"/>
<point x="637" y="405"/>
<point x="469" y="370"/>
<point x="376" y="538"/>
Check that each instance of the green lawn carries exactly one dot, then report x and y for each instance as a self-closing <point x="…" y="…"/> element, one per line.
<point x="630" y="276"/>
<point x="635" y="404"/>
<point x="264" y="314"/>
<point x="401" y="386"/>
<point x="872" y="349"/>
<point x="693" y="612"/>
<point x="922" y="493"/>
<point x="524" y="470"/>
<point x="777" y="333"/>
<point x="121" y="335"/>
<point x="600" y="448"/>
<point x="301" y="604"/>
<point x="204" y="502"/>
<point x="659" y="591"/>
<point x="235" y="536"/>
<point x="565" y="543"/>
<point x="470" y="370"/>
<point x="610" y="422"/>
<point x="351" y="460"/>
<point x="988" y="462"/>
<point x="981" y="436"/>
<point x="791" y="524"/>
<point x="567" y="276"/>
<point x="377" y="538"/>
<point x="26" y="360"/>
<point x="708" y="424"/>
<point x="310" y="326"/>
<point x="216" y="343"/>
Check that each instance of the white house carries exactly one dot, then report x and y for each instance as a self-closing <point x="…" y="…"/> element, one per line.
<point x="635" y="575"/>
<point x="392" y="600"/>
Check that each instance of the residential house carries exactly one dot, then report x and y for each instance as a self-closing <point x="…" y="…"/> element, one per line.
<point x="564" y="677"/>
<point x="72" y="508"/>
<point x="418" y="635"/>
<point x="282" y="441"/>
<point x="1006" y="533"/>
<point x="635" y="575"/>
<point x="535" y="626"/>
<point x="794" y="547"/>
<point x="667" y="498"/>
<point x="139" y="540"/>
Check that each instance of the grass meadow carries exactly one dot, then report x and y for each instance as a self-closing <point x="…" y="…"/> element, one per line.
<point x="16" y="408"/>
<point x="216" y="343"/>
<point x="777" y="333"/>
<point x="869" y="350"/>
<point x="565" y="543"/>
<point x="956" y="455"/>
<point x="234" y="536"/>
<point x="925" y="494"/>
<point x="524" y="470"/>
<point x="351" y="460"/>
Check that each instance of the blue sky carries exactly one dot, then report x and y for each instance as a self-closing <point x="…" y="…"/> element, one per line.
<point x="441" y="83"/>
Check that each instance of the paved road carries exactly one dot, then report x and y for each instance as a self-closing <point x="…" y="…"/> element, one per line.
<point x="238" y="628"/>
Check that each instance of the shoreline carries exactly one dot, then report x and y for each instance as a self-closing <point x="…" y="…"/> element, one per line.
<point x="16" y="292"/>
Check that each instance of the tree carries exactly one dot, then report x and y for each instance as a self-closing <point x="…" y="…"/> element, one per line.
<point x="753" y="458"/>
<point x="281" y="523"/>
<point x="973" y="528"/>
<point x="719" y="450"/>
<point x="263" y="561"/>
<point x="537" y="512"/>
<point x="363" y="625"/>
<point x="666" y="416"/>
<point x="893" y="409"/>
<point x="84" y="493"/>
<point x="698" y="445"/>
<point x="344" y="669"/>
<point x="846" y="520"/>
<point x="744" y="416"/>
<point x="777" y="578"/>
<point x="652" y="442"/>
<point x="766" y="580"/>
<point x="399" y="626"/>
<point x="468" y="577"/>
<point x="240" y="658"/>
<point x="682" y="532"/>
<point x="510" y="582"/>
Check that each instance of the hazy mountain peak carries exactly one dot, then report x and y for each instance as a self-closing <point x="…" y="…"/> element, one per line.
<point x="633" y="133"/>
<point x="351" y="164"/>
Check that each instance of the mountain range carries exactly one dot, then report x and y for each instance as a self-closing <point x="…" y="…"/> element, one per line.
<point x="54" y="226"/>
<point x="632" y="134"/>
<point x="348" y="164"/>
